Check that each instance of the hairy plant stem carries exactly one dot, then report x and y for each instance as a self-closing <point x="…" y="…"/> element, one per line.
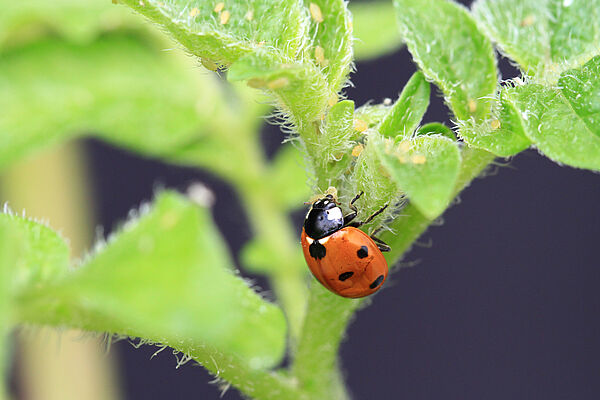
<point x="328" y="315"/>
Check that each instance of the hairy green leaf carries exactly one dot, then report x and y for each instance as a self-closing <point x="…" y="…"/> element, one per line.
<point x="222" y="32"/>
<point x="503" y="134"/>
<point x="291" y="83"/>
<point x="581" y="88"/>
<point x="436" y="128"/>
<point x="425" y="168"/>
<point x="331" y="48"/>
<point x="556" y="129"/>
<point x="43" y="255"/>
<point x="374" y="28"/>
<point x="545" y="37"/>
<point x="116" y="88"/>
<point x="447" y="45"/>
<point x="406" y="114"/>
<point x="369" y="177"/>
<point x="165" y="277"/>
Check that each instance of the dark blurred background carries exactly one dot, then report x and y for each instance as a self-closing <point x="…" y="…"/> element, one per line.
<point x="498" y="302"/>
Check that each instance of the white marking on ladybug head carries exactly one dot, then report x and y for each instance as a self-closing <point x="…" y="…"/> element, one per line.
<point x="323" y="240"/>
<point x="309" y="240"/>
<point x="334" y="213"/>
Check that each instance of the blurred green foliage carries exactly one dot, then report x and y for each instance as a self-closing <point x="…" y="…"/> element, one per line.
<point x="70" y="69"/>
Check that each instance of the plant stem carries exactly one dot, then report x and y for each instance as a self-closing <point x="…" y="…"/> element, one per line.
<point x="327" y="315"/>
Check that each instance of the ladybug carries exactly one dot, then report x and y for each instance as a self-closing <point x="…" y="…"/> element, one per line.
<point x="346" y="260"/>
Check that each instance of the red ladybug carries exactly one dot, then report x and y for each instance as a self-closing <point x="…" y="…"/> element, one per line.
<point x="343" y="258"/>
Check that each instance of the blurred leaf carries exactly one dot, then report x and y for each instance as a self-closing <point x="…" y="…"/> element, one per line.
<point x="165" y="277"/>
<point x="330" y="27"/>
<point x="446" y="44"/>
<point x="9" y="243"/>
<point x="78" y="21"/>
<point x="374" y="25"/>
<point x="372" y="114"/>
<point x="117" y="88"/>
<point x="42" y="255"/>
<point x="30" y="253"/>
<point x="426" y="168"/>
<point x="503" y="134"/>
<point x="545" y="37"/>
<point x="406" y="114"/>
<point x="561" y="123"/>
<point x="287" y="176"/>
<point x="436" y="128"/>
<point x="222" y="32"/>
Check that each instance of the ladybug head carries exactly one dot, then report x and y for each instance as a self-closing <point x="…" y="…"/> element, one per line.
<point x="323" y="218"/>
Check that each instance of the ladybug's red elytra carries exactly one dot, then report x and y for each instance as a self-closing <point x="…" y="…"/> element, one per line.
<point x="343" y="258"/>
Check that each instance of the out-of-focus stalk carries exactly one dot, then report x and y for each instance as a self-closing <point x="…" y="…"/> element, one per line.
<point x="65" y="365"/>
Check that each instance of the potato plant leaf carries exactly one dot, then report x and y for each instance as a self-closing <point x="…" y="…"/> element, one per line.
<point x="331" y="49"/>
<point x="76" y="21"/>
<point x="425" y="168"/>
<point x="561" y="122"/>
<point x="374" y="29"/>
<point x="166" y="277"/>
<point x="503" y="134"/>
<point x="116" y="88"/>
<point x="9" y="243"/>
<point x="290" y="82"/>
<point x="445" y="42"/>
<point x="436" y="128"/>
<point x="286" y="170"/>
<point x="544" y="37"/>
<point x="222" y="32"/>
<point x="406" y="114"/>
<point x="42" y="254"/>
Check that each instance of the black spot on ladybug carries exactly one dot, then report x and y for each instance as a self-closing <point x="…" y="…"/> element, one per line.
<point x="376" y="282"/>
<point x="317" y="250"/>
<point x="362" y="252"/>
<point x="345" y="275"/>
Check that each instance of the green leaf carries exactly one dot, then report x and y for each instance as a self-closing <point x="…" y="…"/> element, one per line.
<point x="291" y="83"/>
<point x="331" y="49"/>
<point x="287" y="176"/>
<point x="553" y="125"/>
<point x="374" y="28"/>
<point x="425" y="168"/>
<point x="165" y="277"/>
<point x="503" y="134"/>
<point x="544" y="37"/>
<point x="9" y="243"/>
<point x="222" y="32"/>
<point x="581" y="88"/>
<point x="446" y="44"/>
<point x="43" y="256"/>
<point x="117" y="88"/>
<point x="78" y="21"/>
<point x="436" y="128"/>
<point x="406" y="114"/>
<point x="30" y="254"/>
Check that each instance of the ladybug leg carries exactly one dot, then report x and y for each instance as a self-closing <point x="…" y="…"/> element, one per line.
<point x="381" y="245"/>
<point x="348" y="218"/>
<point x="376" y="213"/>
